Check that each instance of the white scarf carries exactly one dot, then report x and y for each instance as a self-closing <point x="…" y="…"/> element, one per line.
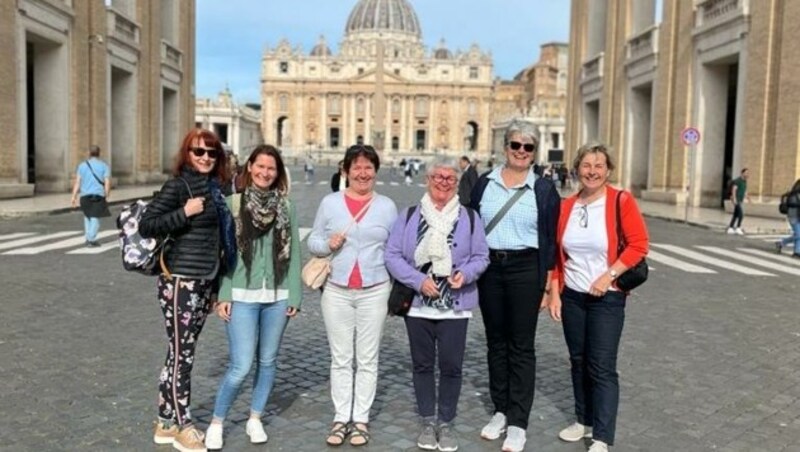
<point x="433" y="247"/>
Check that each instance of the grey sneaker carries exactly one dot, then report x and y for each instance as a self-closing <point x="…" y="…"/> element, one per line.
<point x="427" y="437"/>
<point x="575" y="432"/>
<point x="495" y="427"/>
<point x="598" y="446"/>
<point x="448" y="441"/>
<point x="515" y="440"/>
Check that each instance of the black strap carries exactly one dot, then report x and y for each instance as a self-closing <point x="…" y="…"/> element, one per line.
<point x="93" y="173"/>
<point x="504" y="210"/>
<point x="187" y="186"/>
<point x="620" y="236"/>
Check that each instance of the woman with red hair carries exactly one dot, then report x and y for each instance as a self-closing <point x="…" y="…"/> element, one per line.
<point x="190" y="209"/>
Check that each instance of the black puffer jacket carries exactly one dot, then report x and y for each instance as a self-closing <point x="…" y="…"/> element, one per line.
<point x="195" y="247"/>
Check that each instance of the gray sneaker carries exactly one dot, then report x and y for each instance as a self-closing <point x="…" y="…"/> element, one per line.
<point x="448" y="441"/>
<point x="427" y="437"/>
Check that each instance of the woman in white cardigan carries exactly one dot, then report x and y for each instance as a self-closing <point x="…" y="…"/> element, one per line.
<point x="353" y="225"/>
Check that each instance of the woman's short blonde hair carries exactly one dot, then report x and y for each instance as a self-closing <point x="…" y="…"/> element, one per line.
<point x="593" y="147"/>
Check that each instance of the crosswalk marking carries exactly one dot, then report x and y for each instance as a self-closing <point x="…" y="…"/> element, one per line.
<point x="677" y="263"/>
<point x="38" y="238"/>
<point x="394" y="184"/>
<point x="380" y="182"/>
<point x="100" y="249"/>
<point x="68" y="243"/>
<point x="710" y="260"/>
<point x="750" y="259"/>
<point x="779" y="257"/>
<point x="15" y="235"/>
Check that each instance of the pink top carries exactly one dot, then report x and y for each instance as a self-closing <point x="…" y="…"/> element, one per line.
<point x="354" y="206"/>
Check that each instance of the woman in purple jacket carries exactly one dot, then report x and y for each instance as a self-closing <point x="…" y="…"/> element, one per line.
<point x="439" y="249"/>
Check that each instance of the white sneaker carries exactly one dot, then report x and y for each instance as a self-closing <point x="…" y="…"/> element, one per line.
<point x="495" y="427"/>
<point x="515" y="440"/>
<point x="740" y="231"/>
<point x="575" y="432"/>
<point x="731" y="231"/>
<point x="598" y="446"/>
<point x="255" y="430"/>
<point x="214" y="436"/>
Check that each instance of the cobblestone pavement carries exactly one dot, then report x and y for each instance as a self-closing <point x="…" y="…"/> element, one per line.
<point x="708" y="362"/>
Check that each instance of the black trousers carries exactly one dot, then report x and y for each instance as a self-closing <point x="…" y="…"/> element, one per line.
<point x="510" y="296"/>
<point x="738" y="216"/>
<point x="447" y="339"/>
<point x="592" y="328"/>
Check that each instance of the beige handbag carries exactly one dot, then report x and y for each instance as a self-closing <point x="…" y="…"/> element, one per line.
<point x="316" y="271"/>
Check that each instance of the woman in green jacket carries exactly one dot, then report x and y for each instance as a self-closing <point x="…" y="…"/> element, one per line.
<point x="263" y="292"/>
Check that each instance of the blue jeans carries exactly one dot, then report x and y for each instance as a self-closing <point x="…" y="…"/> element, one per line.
<point x="795" y="237"/>
<point x="252" y="326"/>
<point x="592" y="328"/>
<point x="90" y="226"/>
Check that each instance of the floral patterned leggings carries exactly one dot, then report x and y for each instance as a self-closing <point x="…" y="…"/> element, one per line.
<point x="185" y="303"/>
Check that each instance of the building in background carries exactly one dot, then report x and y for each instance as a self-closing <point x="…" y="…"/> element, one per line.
<point x="118" y="74"/>
<point x="238" y="126"/>
<point x="641" y="71"/>
<point x="538" y="96"/>
<point x="383" y="87"/>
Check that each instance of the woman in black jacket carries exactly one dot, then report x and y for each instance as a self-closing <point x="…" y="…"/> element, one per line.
<point x="190" y="209"/>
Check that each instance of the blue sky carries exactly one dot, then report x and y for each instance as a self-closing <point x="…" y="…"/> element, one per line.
<point x="232" y="34"/>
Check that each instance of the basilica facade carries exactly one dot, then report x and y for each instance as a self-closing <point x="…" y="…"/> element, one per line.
<point x="383" y="87"/>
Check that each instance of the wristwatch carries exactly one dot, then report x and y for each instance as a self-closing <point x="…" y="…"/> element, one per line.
<point x="613" y="274"/>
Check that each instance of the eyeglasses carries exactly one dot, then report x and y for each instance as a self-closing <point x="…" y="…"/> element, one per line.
<point x="199" y="152"/>
<point x="438" y="178"/>
<point x="515" y="145"/>
<point x="583" y="219"/>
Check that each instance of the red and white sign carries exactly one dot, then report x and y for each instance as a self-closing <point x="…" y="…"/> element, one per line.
<point x="690" y="136"/>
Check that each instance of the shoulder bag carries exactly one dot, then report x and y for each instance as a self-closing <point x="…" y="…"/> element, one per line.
<point x="316" y="271"/>
<point x="636" y="275"/>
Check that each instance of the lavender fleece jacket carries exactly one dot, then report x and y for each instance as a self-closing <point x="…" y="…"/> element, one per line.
<point x="470" y="256"/>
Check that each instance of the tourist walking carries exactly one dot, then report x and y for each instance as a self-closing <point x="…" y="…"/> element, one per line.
<point x="190" y="208"/>
<point x="519" y="210"/>
<point x="352" y="227"/>
<point x="469" y="177"/>
<point x="793" y="217"/>
<point x="259" y="296"/>
<point x="584" y="295"/>
<point x="738" y="194"/>
<point x="438" y="249"/>
<point x="339" y="178"/>
<point x="93" y="186"/>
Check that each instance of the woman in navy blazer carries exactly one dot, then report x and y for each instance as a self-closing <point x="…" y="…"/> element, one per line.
<point x="439" y="249"/>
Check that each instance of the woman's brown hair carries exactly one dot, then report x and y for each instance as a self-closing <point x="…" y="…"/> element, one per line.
<point x="191" y="140"/>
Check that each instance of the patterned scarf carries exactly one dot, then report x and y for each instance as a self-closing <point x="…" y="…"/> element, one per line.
<point x="433" y="247"/>
<point x="262" y="211"/>
<point x="227" y="232"/>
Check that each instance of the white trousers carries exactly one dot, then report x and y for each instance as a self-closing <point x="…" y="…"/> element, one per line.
<point x="350" y="313"/>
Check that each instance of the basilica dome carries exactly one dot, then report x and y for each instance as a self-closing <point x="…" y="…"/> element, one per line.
<point x="396" y="16"/>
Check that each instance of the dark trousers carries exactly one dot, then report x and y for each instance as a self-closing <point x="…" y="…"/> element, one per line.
<point x="738" y="215"/>
<point x="509" y="299"/>
<point x="448" y="338"/>
<point x="592" y="328"/>
<point x="185" y="304"/>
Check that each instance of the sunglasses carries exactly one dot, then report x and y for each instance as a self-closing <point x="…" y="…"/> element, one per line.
<point x="199" y="152"/>
<point x="515" y="145"/>
<point x="583" y="216"/>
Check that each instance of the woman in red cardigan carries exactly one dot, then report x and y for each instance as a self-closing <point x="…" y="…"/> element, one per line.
<point x="586" y="299"/>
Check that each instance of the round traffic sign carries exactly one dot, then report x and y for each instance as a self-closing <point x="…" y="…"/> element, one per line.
<point x="690" y="136"/>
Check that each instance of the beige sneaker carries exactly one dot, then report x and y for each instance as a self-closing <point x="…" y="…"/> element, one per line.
<point x="163" y="434"/>
<point x="190" y="439"/>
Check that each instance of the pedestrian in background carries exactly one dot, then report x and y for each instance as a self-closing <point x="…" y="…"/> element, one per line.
<point x="259" y="296"/>
<point x="438" y="249"/>
<point x="793" y="217"/>
<point x="93" y="185"/>
<point x="584" y="294"/>
<point x="738" y="194"/>
<point x="519" y="210"/>
<point x="308" y="169"/>
<point x="339" y="178"/>
<point x="352" y="227"/>
<point x="408" y="172"/>
<point x="469" y="176"/>
<point x="190" y="208"/>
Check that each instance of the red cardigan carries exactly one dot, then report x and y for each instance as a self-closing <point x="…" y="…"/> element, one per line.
<point x="633" y="229"/>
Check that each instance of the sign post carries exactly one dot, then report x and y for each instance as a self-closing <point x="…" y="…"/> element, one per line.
<point x="690" y="136"/>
